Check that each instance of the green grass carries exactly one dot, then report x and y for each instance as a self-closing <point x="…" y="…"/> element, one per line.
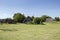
<point x="50" y="31"/>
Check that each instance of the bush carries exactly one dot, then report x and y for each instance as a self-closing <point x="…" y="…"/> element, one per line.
<point x="57" y="19"/>
<point x="36" y="20"/>
<point x="18" y="17"/>
<point x="43" y="17"/>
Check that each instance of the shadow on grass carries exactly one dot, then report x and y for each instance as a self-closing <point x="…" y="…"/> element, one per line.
<point x="8" y="30"/>
<point x="35" y="24"/>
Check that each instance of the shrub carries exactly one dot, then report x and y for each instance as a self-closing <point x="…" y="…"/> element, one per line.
<point x="36" y="20"/>
<point x="57" y="19"/>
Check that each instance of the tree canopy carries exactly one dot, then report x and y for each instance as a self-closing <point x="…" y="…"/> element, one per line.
<point x="57" y="19"/>
<point x="18" y="17"/>
<point x="43" y="17"/>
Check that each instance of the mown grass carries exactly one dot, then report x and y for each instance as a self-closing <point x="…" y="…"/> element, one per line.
<point x="50" y="31"/>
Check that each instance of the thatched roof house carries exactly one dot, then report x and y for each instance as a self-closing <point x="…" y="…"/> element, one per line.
<point x="26" y="20"/>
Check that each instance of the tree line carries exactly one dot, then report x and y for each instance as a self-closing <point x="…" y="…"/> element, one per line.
<point x="21" y="18"/>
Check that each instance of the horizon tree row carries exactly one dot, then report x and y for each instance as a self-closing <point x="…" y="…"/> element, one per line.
<point x="21" y="18"/>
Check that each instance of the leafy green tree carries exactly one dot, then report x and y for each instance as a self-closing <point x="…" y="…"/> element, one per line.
<point x="8" y="19"/>
<point x="57" y="19"/>
<point x="43" y="17"/>
<point x="18" y="17"/>
<point x="32" y="18"/>
<point x="37" y="20"/>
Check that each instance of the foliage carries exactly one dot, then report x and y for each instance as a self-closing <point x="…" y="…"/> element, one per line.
<point x="18" y="17"/>
<point x="7" y="20"/>
<point x="32" y="18"/>
<point x="43" y="17"/>
<point x="57" y="19"/>
<point x="36" y="20"/>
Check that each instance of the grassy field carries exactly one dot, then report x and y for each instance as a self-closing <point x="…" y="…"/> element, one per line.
<point x="50" y="31"/>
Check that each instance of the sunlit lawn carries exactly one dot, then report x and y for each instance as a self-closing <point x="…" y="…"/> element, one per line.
<point x="50" y="31"/>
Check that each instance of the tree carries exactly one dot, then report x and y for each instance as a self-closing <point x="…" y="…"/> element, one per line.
<point x="43" y="17"/>
<point x="10" y="21"/>
<point x="18" y="17"/>
<point x="32" y="18"/>
<point x="37" y="20"/>
<point x="57" y="19"/>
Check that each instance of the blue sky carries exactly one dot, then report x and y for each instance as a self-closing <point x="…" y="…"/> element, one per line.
<point x="29" y="8"/>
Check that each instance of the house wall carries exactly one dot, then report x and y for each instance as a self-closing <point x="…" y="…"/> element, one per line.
<point x="49" y="20"/>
